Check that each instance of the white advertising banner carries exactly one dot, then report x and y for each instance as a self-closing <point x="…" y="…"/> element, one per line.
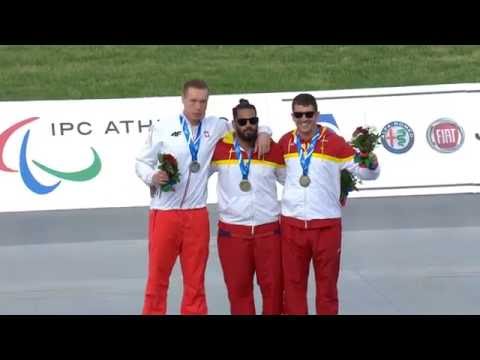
<point x="74" y="154"/>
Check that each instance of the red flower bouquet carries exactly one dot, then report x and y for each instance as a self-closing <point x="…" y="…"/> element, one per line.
<point x="363" y="141"/>
<point x="167" y="163"/>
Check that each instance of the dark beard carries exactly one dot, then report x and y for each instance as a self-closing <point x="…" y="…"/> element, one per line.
<point x="249" y="138"/>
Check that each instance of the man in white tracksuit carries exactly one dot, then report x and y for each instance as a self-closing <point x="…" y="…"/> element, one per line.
<point x="311" y="219"/>
<point x="248" y="229"/>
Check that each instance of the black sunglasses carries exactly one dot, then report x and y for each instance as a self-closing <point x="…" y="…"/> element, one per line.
<point x="308" y="114"/>
<point x="243" y="121"/>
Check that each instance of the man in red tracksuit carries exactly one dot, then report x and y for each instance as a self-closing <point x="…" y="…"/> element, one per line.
<point x="248" y="228"/>
<point x="178" y="220"/>
<point x="311" y="224"/>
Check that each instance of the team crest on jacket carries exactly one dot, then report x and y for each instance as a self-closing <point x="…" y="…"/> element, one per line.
<point x="206" y="134"/>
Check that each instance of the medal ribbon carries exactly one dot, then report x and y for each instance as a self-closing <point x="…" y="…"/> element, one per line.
<point x="193" y="144"/>
<point x="306" y="156"/>
<point x="244" y="167"/>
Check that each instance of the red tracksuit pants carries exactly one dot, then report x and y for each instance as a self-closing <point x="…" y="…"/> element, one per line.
<point x="173" y="233"/>
<point x="241" y="256"/>
<point x="320" y="241"/>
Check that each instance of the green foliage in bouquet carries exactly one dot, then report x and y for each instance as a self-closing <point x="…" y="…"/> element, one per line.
<point x="169" y="164"/>
<point x="364" y="141"/>
<point x="348" y="183"/>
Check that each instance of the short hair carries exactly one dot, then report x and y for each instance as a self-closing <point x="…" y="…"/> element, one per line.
<point x="243" y="104"/>
<point x="305" y="100"/>
<point x="195" y="83"/>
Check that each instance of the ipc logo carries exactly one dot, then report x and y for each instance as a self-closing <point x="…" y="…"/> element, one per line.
<point x="28" y="179"/>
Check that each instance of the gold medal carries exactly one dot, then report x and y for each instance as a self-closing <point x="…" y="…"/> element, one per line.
<point x="245" y="185"/>
<point x="304" y="180"/>
<point x="194" y="166"/>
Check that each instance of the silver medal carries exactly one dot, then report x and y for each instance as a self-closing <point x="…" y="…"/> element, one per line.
<point x="194" y="166"/>
<point x="304" y="180"/>
<point x="245" y="185"/>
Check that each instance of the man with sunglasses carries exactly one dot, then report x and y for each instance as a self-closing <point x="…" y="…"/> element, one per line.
<point x="248" y="228"/>
<point x="178" y="220"/>
<point x="311" y="211"/>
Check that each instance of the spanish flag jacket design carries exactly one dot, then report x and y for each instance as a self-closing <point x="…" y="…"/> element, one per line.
<point x="321" y="199"/>
<point x="258" y="206"/>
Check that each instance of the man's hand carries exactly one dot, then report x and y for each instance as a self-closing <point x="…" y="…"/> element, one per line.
<point x="370" y="162"/>
<point x="373" y="161"/>
<point x="262" y="145"/>
<point x="160" y="178"/>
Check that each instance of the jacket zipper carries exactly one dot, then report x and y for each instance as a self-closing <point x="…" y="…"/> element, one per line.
<point x="188" y="179"/>
<point x="305" y="205"/>
<point x="253" y="215"/>
<point x="253" y="212"/>
<point x="186" y="188"/>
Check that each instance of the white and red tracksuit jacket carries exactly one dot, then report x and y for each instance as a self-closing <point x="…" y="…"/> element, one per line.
<point x="321" y="199"/>
<point x="167" y="136"/>
<point x="259" y="205"/>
